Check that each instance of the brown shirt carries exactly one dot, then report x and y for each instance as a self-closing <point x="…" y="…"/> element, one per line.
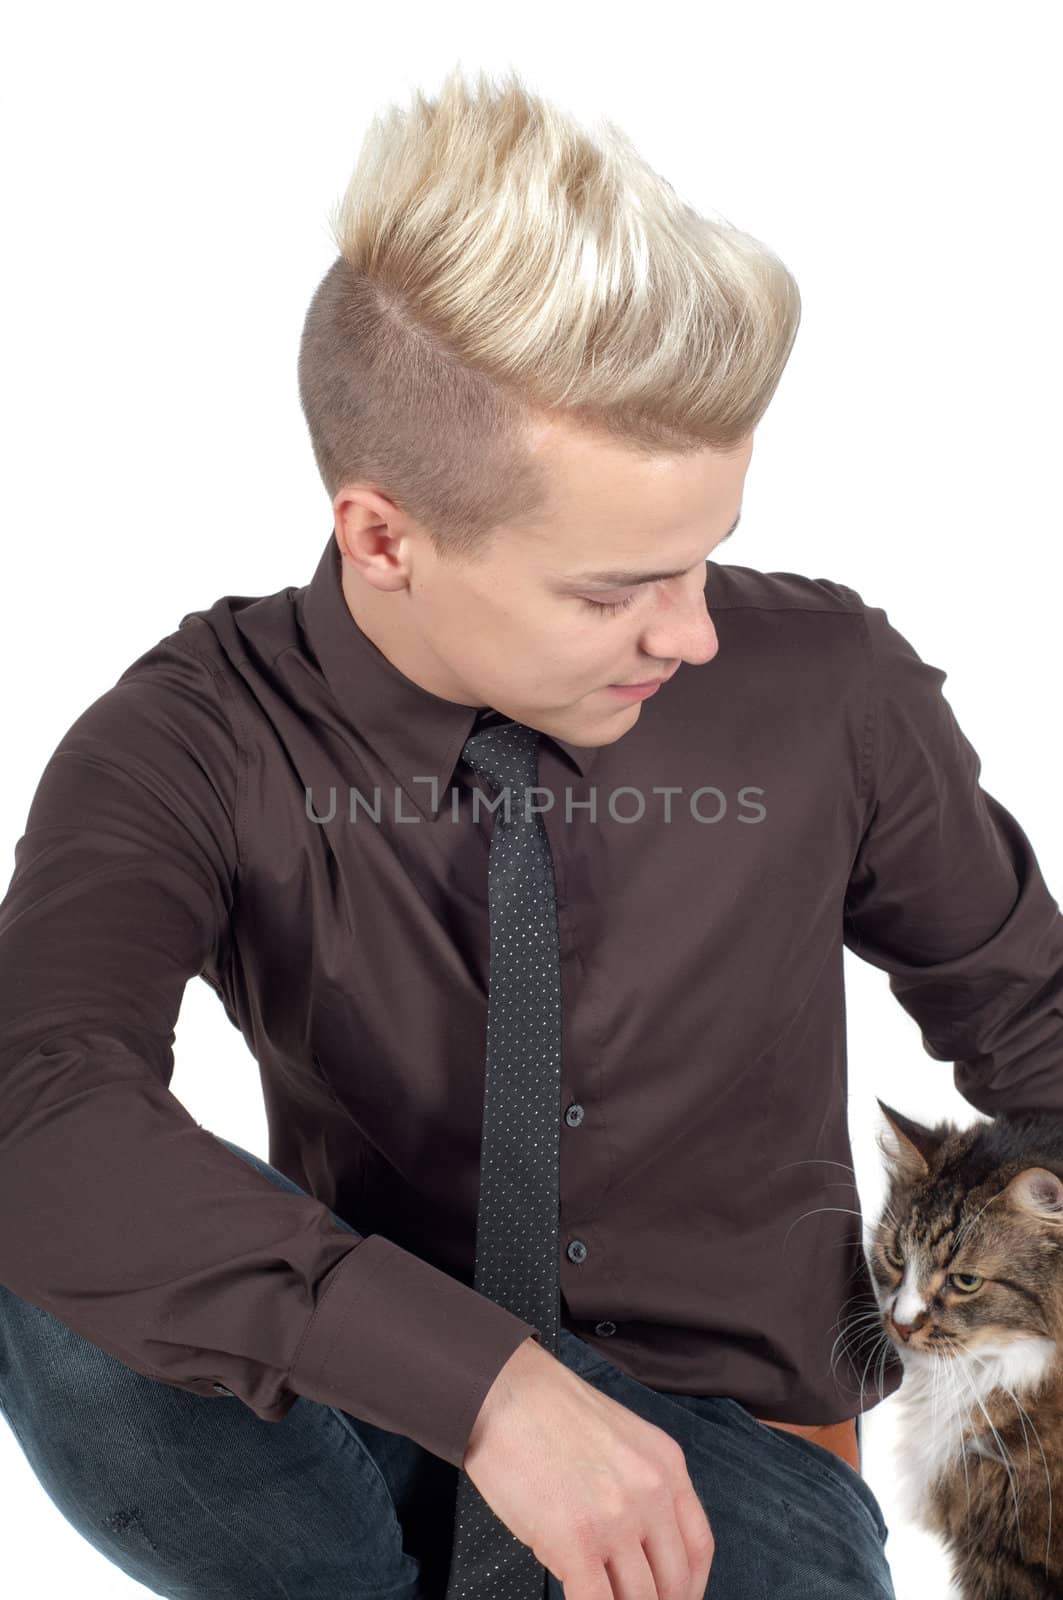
<point x="264" y="801"/>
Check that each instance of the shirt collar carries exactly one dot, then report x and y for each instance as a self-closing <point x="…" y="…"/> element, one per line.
<point x="416" y="733"/>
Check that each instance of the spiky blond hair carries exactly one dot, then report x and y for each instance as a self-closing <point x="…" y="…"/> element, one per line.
<point x="499" y="266"/>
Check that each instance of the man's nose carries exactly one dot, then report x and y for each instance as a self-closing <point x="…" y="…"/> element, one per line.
<point x="704" y="644"/>
<point x="688" y="632"/>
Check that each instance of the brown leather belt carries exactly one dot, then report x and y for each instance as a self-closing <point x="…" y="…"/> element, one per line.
<point x="839" y="1437"/>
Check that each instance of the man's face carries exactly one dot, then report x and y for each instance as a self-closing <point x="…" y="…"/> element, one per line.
<point x="522" y="628"/>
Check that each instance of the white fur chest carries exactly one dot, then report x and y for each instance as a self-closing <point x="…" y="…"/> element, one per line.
<point x="940" y="1409"/>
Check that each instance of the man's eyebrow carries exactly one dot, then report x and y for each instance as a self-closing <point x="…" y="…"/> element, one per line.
<point x="622" y="577"/>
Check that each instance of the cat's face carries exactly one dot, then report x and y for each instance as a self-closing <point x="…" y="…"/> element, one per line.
<point x="967" y="1258"/>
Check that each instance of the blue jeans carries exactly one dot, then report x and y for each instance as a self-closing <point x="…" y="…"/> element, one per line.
<point x="200" y="1499"/>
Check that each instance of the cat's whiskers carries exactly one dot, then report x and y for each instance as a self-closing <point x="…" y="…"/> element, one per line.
<point x="852" y="1331"/>
<point x="886" y="1350"/>
<point x="815" y="1161"/>
<point x="867" y="1363"/>
<point x="871" y="1318"/>
<point x="868" y="1299"/>
<point x="872" y="1329"/>
<point x="846" y="1210"/>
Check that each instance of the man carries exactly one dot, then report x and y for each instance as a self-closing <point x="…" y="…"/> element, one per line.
<point x="738" y="774"/>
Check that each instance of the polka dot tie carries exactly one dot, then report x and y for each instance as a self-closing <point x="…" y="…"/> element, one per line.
<point x="517" y="1229"/>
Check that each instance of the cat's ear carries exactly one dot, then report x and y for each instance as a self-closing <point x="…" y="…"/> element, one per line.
<point x="1038" y="1192"/>
<point x="912" y="1146"/>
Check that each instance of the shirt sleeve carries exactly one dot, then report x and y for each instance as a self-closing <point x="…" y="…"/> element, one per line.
<point x="124" y="1218"/>
<point x="946" y="895"/>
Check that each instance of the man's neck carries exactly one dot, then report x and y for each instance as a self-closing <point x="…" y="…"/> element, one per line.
<point x="379" y="617"/>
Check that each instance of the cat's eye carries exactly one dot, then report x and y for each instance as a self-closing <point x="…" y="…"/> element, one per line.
<point x="966" y="1282"/>
<point x="892" y="1257"/>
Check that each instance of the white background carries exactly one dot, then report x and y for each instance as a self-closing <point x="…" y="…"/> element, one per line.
<point x="167" y="176"/>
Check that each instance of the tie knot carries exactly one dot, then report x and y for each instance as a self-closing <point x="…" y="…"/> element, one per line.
<point x="506" y="756"/>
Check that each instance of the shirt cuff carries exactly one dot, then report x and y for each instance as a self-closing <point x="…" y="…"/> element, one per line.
<point x="397" y="1342"/>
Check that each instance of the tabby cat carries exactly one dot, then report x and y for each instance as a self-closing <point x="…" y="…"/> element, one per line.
<point x="967" y="1267"/>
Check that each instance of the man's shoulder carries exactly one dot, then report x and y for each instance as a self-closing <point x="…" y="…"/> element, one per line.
<point x="237" y="627"/>
<point x="190" y="676"/>
<point x="736" y="588"/>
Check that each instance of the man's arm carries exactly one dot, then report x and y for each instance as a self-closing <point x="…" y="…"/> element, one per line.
<point x="122" y="1216"/>
<point x="946" y="895"/>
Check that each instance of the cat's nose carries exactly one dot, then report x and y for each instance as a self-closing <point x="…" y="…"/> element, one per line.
<point x="906" y="1329"/>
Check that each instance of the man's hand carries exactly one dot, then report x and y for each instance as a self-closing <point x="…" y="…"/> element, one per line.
<point x="602" y="1496"/>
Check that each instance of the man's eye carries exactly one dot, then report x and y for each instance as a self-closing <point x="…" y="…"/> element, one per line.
<point x="610" y="605"/>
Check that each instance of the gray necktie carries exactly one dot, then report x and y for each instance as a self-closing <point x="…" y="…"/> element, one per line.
<point x="517" y="1228"/>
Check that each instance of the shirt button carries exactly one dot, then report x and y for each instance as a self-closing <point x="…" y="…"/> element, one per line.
<point x="605" y="1328"/>
<point x="574" y="1116"/>
<point x="577" y="1251"/>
